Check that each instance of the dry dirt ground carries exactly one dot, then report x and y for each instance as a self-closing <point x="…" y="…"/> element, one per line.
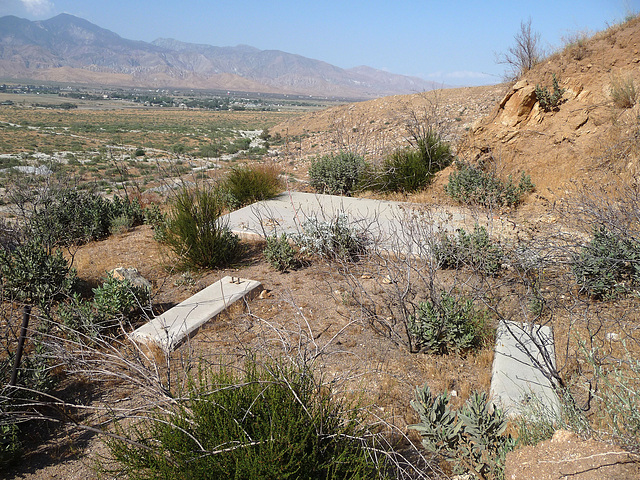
<point x="587" y="140"/>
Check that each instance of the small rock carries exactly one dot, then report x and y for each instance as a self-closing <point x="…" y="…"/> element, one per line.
<point x="131" y="274"/>
<point x="612" y="337"/>
<point x="265" y="294"/>
<point x="387" y="280"/>
<point x="366" y="276"/>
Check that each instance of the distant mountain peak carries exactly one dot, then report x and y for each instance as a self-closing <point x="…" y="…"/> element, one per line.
<point x="74" y="46"/>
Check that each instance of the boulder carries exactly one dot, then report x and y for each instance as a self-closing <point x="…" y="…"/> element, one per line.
<point x="131" y="274"/>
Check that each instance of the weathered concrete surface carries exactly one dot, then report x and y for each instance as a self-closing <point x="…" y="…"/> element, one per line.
<point x="182" y="321"/>
<point x="517" y="378"/>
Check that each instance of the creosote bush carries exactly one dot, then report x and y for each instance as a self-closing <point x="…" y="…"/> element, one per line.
<point x="266" y="421"/>
<point x="196" y="232"/>
<point x="336" y="174"/>
<point x="448" y="324"/>
<point x="471" y="439"/>
<point x="478" y="185"/>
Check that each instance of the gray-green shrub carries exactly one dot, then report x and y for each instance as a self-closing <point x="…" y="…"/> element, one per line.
<point x="448" y="324"/>
<point x="550" y="100"/>
<point x="471" y="439"/>
<point x="31" y="275"/>
<point x="471" y="184"/>
<point x="336" y="174"/>
<point x="335" y="239"/>
<point x="280" y="253"/>
<point x="476" y="250"/>
<point x="608" y="265"/>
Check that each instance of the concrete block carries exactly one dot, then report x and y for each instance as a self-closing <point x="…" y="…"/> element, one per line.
<point x="517" y="379"/>
<point x="182" y="321"/>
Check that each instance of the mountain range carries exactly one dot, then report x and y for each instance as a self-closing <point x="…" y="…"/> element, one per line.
<point x="69" y="49"/>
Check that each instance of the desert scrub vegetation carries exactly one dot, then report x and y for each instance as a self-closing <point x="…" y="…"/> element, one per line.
<point x="451" y="323"/>
<point x="411" y="168"/>
<point x="259" y="421"/>
<point x="249" y="184"/>
<point x="550" y="100"/>
<point x="280" y="254"/>
<point x="623" y="91"/>
<point x="475" y="250"/>
<point x="336" y="174"/>
<point x="480" y="185"/>
<point x="333" y="239"/>
<point x="472" y="439"/>
<point x="195" y="231"/>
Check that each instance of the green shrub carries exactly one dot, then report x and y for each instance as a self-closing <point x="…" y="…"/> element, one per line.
<point x="247" y="185"/>
<point x="10" y="445"/>
<point x="471" y="439"/>
<point x="336" y="174"/>
<point x="158" y="220"/>
<point x="196" y="232"/>
<point x="475" y="250"/>
<point x="266" y="422"/>
<point x="410" y="169"/>
<point x="113" y="301"/>
<point x="335" y="239"/>
<point x="449" y="324"/>
<point x="69" y="216"/>
<point x="280" y="254"/>
<point x="608" y="265"/>
<point x="473" y="185"/>
<point x="29" y="274"/>
<point x="550" y="100"/>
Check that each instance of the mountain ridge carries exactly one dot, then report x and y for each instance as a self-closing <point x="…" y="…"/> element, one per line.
<point x="72" y="49"/>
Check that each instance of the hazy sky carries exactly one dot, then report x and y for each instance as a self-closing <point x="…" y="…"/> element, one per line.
<point x="449" y="41"/>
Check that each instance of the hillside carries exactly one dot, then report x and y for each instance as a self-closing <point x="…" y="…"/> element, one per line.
<point x="69" y="49"/>
<point x="587" y="139"/>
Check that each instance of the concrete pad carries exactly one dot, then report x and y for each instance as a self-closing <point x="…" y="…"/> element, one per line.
<point x="516" y="380"/>
<point x="386" y="221"/>
<point x="182" y="321"/>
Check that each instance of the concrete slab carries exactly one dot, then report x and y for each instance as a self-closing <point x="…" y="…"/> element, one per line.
<point x="182" y="321"/>
<point x="389" y="223"/>
<point x="516" y="380"/>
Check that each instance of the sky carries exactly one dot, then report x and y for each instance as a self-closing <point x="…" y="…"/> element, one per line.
<point x="448" y="41"/>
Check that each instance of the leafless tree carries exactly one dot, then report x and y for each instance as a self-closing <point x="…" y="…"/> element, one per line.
<point x="525" y="54"/>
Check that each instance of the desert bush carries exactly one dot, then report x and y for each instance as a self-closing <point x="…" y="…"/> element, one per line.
<point x="336" y="174"/>
<point x="68" y="216"/>
<point x="157" y="219"/>
<point x="608" y="265"/>
<point x="550" y="100"/>
<point x="251" y="184"/>
<point x="412" y="168"/>
<point x="280" y="253"/>
<point x="335" y="239"/>
<point x="448" y="324"/>
<point x="195" y="230"/>
<point x="475" y="250"/>
<point x="476" y="185"/>
<point x="471" y="439"/>
<point x="31" y="275"/>
<point x="113" y="301"/>
<point x="623" y="91"/>
<point x="269" y="421"/>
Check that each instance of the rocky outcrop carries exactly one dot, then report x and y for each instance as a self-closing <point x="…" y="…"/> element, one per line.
<point x="517" y="104"/>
